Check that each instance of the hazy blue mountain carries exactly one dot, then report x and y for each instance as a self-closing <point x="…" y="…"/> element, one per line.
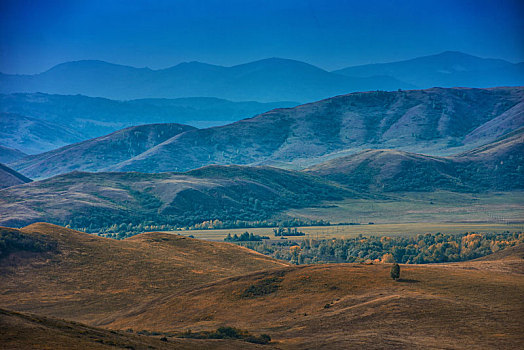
<point x="447" y="69"/>
<point x="266" y="80"/>
<point x="93" y="117"/>
<point x="9" y="177"/>
<point x="101" y="152"/>
<point x="435" y="121"/>
<point x="31" y="135"/>
<point x="9" y="155"/>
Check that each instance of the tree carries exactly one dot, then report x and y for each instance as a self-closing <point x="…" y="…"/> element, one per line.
<point x="395" y="271"/>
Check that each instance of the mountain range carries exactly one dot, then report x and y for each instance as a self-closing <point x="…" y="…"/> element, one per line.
<point x="37" y="122"/>
<point x="266" y="80"/>
<point x="435" y="122"/>
<point x="231" y="193"/>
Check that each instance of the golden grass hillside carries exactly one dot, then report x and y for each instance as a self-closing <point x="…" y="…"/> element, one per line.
<point x="90" y="279"/>
<point x="472" y="305"/>
<point x="171" y="284"/>
<point x="27" y="331"/>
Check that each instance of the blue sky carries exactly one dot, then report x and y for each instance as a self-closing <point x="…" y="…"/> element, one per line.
<point x="35" y="35"/>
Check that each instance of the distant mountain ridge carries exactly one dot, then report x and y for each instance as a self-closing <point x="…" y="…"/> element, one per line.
<point x="434" y="121"/>
<point x="27" y="117"/>
<point x="447" y="69"/>
<point x="32" y="135"/>
<point x="266" y="80"/>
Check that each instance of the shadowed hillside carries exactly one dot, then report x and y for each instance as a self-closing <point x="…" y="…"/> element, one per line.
<point x="435" y="121"/>
<point x="96" y="200"/>
<point x="9" y="177"/>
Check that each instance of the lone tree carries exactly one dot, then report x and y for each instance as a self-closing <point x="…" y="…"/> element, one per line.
<point x="395" y="271"/>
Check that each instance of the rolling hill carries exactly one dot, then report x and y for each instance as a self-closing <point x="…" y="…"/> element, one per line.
<point x="267" y="80"/>
<point x="93" y="117"/>
<point x="92" y="279"/>
<point x="168" y="284"/>
<point x="9" y="177"/>
<point x="435" y="121"/>
<point x="495" y="166"/>
<point x="447" y="69"/>
<point x="96" y="200"/>
<point x="101" y="152"/>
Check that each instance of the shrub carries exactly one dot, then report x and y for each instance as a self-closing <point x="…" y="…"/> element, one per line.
<point x="395" y="271"/>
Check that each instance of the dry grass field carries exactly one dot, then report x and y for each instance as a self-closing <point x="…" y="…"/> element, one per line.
<point x="346" y="231"/>
<point x="420" y="207"/>
<point x="170" y="284"/>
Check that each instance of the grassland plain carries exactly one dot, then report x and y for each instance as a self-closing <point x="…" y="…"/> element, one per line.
<point x="169" y="284"/>
<point x="348" y="231"/>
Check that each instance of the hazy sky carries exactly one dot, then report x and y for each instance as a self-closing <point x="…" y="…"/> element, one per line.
<point x="35" y="35"/>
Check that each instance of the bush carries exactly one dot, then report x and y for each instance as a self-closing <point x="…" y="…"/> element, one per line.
<point x="395" y="271"/>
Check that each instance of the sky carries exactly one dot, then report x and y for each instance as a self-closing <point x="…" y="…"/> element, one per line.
<point x="36" y="35"/>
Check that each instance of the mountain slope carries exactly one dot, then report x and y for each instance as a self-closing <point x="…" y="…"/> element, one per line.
<point x="9" y="177"/>
<point x="266" y="80"/>
<point x="101" y="200"/>
<point x="495" y="166"/>
<point x="447" y="69"/>
<point x="93" y="117"/>
<point x="31" y="135"/>
<point x="101" y="152"/>
<point x="9" y="155"/>
<point x="434" y="121"/>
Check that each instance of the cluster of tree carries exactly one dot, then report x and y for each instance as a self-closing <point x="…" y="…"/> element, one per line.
<point x="281" y="231"/>
<point x="245" y="237"/>
<point x="418" y="249"/>
<point x="228" y="333"/>
<point x="129" y="227"/>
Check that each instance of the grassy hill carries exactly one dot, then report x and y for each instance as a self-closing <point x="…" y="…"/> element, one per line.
<point x="54" y="271"/>
<point x="28" y="331"/>
<point x="96" y="200"/>
<point x="126" y="202"/>
<point x="9" y="177"/>
<point x="435" y="122"/>
<point x="495" y="166"/>
<point x="169" y="284"/>
<point x="101" y="152"/>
